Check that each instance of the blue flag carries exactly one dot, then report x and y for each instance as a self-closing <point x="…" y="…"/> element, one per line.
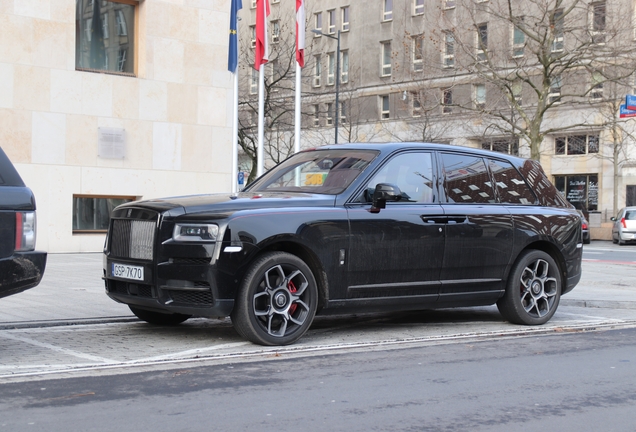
<point x="232" y="57"/>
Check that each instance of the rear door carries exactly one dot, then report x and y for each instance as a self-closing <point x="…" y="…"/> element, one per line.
<point x="479" y="230"/>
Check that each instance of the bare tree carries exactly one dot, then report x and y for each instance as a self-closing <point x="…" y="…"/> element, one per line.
<point x="531" y="58"/>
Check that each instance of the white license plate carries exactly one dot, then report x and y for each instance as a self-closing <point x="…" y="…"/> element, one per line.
<point x="126" y="271"/>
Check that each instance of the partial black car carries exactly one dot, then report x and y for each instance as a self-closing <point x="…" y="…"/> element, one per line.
<point x="21" y="267"/>
<point x="351" y="228"/>
<point x="585" y="228"/>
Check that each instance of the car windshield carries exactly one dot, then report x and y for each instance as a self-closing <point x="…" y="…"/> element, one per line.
<point x="317" y="171"/>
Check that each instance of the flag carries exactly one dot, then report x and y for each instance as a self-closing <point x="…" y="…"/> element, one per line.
<point x="261" y="53"/>
<point x="300" y="32"/>
<point x="232" y="56"/>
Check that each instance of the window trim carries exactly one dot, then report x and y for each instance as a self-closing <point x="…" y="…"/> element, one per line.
<point x="418" y="63"/>
<point x="387" y="15"/>
<point x="448" y="60"/>
<point x="416" y="7"/>
<point x="384" y="67"/>
<point x="385" y="114"/>
<point x="345" y="24"/>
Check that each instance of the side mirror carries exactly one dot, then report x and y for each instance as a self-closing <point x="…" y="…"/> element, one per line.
<point x="613" y="219"/>
<point x="385" y="192"/>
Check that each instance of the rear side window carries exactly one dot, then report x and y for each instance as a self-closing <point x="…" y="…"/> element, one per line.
<point x="466" y="179"/>
<point x="630" y="215"/>
<point x="511" y="187"/>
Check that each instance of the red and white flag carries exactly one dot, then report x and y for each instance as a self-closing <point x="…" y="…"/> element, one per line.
<point x="261" y="53"/>
<point x="300" y="32"/>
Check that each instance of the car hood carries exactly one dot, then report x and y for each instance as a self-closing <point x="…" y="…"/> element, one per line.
<point x="230" y="203"/>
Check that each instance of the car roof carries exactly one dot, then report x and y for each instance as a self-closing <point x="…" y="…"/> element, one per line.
<point x="390" y="147"/>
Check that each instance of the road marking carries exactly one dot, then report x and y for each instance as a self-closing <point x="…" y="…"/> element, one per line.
<point x="189" y="352"/>
<point x="57" y="348"/>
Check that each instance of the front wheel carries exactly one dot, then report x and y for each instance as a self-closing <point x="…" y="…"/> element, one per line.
<point x="158" y="318"/>
<point x="277" y="300"/>
<point x="533" y="290"/>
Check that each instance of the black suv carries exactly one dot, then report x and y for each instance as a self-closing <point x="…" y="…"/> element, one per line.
<point x="351" y="228"/>
<point x="21" y="267"/>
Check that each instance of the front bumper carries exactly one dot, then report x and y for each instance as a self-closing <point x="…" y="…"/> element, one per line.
<point x="21" y="271"/>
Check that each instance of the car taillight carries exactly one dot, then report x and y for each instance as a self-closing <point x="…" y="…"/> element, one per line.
<point x="584" y="226"/>
<point x="623" y="222"/>
<point x="25" y="228"/>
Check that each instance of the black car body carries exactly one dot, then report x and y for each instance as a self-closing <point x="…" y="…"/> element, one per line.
<point x="21" y="267"/>
<point x="351" y="228"/>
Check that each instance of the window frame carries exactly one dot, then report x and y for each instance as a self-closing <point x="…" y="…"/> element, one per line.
<point x="598" y="27"/>
<point x="518" y="48"/>
<point x="558" y="43"/>
<point x="331" y="21"/>
<point x="448" y="60"/>
<point x="418" y="48"/>
<point x="447" y="100"/>
<point x="385" y="109"/>
<point x="418" y="7"/>
<point x="386" y="53"/>
<point x="318" y="23"/>
<point x="481" y="44"/>
<point x="477" y="103"/>
<point x="387" y="10"/>
<point x="344" y="66"/>
<point x="592" y="144"/>
<point x="316" y="82"/>
<point x="331" y="68"/>
<point x="344" y="16"/>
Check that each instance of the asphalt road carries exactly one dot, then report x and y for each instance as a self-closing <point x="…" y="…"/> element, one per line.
<point x="581" y="381"/>
<point x="609" y="252"/>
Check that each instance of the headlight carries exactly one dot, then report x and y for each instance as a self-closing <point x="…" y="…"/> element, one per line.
<point x="195" y="232"/>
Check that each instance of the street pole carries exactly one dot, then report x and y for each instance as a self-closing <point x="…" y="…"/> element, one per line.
<point x="337" y="85"/>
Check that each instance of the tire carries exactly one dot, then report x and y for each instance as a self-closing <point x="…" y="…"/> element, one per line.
<point x="277" y="300"/>
<point x="533" y="290"/>
<point x="614" y="240"/>
<point x="158" y="318"/>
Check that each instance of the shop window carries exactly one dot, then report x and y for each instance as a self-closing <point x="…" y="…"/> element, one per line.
<point x="105" y="30"/>
<point x="580" y="190"/>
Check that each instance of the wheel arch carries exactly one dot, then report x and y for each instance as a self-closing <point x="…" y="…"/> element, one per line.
<point x="308" y="256"/>
<point x="551" y="250"/>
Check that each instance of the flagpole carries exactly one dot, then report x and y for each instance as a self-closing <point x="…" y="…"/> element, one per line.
<point x="261" y="120"/>
<point x="297" y="110"/>
<point x="235" y="136"/>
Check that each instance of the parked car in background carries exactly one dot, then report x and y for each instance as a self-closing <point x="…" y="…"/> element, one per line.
<point x="624" y="229"/>
<point x="21" y="267"/>
<point x="585" y="228"/>
<point x="381" y="227"/>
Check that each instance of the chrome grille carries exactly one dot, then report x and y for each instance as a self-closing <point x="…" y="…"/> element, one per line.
<point x="132" y="239"/>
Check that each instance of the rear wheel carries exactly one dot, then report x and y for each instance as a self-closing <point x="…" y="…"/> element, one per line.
<point x="158" y="318"/>
<point x="533" y="290"/>
<point x="277" y="300"/>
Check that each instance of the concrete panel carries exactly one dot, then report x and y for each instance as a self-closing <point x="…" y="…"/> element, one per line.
<point x="48" y="138"/>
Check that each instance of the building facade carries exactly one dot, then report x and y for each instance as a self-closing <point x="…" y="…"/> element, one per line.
<point x="470" y="73"/>
<point x="104" y="101"/>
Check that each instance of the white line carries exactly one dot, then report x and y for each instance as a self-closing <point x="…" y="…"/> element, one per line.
<point x="188" y="352"/>
<point x="57" y="348"/>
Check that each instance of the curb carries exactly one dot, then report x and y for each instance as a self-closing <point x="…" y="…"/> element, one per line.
<point x="65" y="322"/>
<point x="604" y="304"/>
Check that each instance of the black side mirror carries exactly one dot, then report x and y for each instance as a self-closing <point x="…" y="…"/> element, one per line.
<point x="385" y="192"/>
<point x="613" y="219"/>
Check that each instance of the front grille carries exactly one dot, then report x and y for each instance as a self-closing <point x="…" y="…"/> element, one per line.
<point x="191" y="260"/>
<point x="132" y="239"/>
<point x="191" y="297"/>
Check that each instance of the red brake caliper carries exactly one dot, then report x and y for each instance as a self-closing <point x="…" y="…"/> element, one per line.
<point x="292" y="289"/>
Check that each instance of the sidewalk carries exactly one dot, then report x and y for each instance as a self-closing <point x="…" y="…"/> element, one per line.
<point x="72" y="289"/>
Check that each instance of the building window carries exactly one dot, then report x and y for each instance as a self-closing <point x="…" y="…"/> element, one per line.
<point x="385" y="107"/>
<point x="598" y="12"/>
<point x="555" y="90"/>
<point x="388" y="10"/>
<point x="253" y="5"/>
<point x="418" y="57"/>
<point x="275" y="31"/>
<point x="449" y="4"/>
<point x="479" y="91"/>
<point x="557" y="23"/>
<point x="517" y="92"/>
<point x="343" y="113"/>
<point x="331" y="67"/>
<point x="386" y="59"/>
<point x="597" y="86"/>
<point x="329" y="114"/>
<point x="416" y="105"/>
<point x="331" y="18"/>
<point x="449" y="49"/>
<point x="317" y="71"/>
<point x="318" y="23"/>
<point x="344" y="67"/>
<point x="418" y="7"/>
<point x="482" y="42"/>
<point x="345" y="18"/>
<point x="447" y="101"/>
<point x="93" y="42"/>
<point x="502" y="146"/>
<point x="580" y="190"/>
<point x="254" y="81"/>
<point x="92" y="213"/>
<point x="316" y="115"/>
<point x="576" y="144"/>
<point x="253" y="36"/>
<point x="518" y="41"/>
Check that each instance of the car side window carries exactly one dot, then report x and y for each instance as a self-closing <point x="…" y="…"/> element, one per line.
<point x="411" y="172"/>
<point x="630" y="215"/>
<point x="466" y="179"/>
<point x="511" y="187"/>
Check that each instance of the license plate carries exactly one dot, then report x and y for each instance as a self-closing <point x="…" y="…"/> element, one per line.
<point x="126" y="271"/>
